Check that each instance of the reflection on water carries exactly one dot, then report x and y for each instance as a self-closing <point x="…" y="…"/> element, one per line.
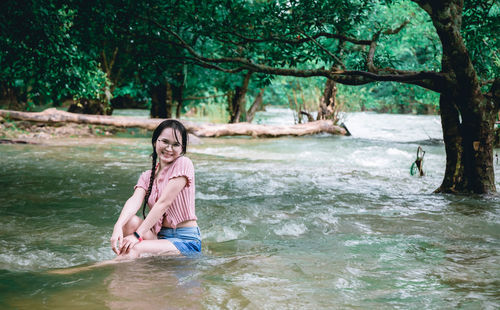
<point x="150" y="283"/>
<point x="154" y="284"/>
<point x="311" y="222"/>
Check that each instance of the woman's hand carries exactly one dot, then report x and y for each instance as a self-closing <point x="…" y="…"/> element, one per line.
<point x="128" y="243"/>
<point x="117" y="240"/>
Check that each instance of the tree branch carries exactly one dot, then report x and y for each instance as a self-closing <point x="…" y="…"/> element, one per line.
<point x="371" y="53"/>
<point x="373" y="45"/>
<point x="298" y="41"/>
<point x="205" y="97"/>
<point x="398" y="29"/>
<point x="326" y="51"/>
<point x="427" y="79"/>
<point x="206" y="64"/>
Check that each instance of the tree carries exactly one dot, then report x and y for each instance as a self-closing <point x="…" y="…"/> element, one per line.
<point x="40" y="62"/>
<point x="467" y="113"/>
<point x="286" y="37"/>
<point x="169" y="54"/>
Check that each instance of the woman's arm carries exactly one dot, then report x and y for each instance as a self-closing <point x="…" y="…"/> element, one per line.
<point x="130" y="208"/>
<point x="172" y="189"/>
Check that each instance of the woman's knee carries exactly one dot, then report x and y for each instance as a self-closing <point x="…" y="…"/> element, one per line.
<point x="132" y="225"/>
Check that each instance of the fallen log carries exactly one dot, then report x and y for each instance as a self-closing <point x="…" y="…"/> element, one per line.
<point x="52" y="116"/>
<point x="255" y="130"/>
<point x="16" y="141"/>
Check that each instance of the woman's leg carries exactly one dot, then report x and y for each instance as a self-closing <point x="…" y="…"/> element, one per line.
<point x="146" y="247"/>
<point x="132" y="226"/>
<point x="150" y="247"/>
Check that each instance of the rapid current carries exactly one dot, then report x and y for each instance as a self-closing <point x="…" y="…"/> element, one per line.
<point x="316" y="222"/>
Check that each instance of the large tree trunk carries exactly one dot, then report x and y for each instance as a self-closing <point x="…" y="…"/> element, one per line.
<point x="161" y="101"/>
<point x="237" y="100"/>
<point x="467" y="117"/>
<point x="13" y="98"/>
<point x="468" y="138"/>
<point x="178" y="92"/>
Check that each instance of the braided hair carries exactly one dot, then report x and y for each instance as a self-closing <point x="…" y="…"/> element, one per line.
<point x="178" y="128"/>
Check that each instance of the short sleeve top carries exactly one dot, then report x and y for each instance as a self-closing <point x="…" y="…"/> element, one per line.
<point x="183" y="207"/>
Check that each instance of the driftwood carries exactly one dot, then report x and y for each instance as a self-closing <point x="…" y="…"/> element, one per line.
<point x="201" y="130"/>
<point x="16" y="141"/>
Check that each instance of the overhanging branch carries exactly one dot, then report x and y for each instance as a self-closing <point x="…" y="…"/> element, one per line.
<point x="299" y="41"/>
<point x="427" y="79"/>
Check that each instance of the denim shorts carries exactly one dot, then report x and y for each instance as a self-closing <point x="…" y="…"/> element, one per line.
<point x="186" y="239"/>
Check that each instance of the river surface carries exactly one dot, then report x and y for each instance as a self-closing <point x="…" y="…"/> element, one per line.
<point x="317" y="222"/>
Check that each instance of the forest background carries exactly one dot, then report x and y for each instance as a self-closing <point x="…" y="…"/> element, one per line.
<point x="228" y="58"/>
<point x="54" y="52"/>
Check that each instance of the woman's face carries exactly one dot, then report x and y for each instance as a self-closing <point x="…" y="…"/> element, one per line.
<point x="168" y="147"/>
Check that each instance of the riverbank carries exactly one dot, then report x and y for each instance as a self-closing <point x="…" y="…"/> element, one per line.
<point x="15" y="131"/>
<point x="52" y="116"/>
<point x="31" y="132"/>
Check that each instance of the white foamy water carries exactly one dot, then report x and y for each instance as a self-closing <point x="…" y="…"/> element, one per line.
<point x="394" y="127"/>
<point x="292" y="229"/>
<point x="318" y="222"/>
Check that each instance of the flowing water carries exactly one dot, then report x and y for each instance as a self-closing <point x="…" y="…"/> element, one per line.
<point x="317" y="222"/>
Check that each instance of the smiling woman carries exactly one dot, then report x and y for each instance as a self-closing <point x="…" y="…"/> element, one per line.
<point x="168" y="189"/>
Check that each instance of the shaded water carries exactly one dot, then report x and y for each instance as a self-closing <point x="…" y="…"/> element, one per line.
<point x="313" y="222"/>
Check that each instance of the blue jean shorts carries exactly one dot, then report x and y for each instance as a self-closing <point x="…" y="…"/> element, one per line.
<point x="186" y="239"/>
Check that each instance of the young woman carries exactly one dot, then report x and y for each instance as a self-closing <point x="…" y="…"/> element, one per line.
<point x="170" y="228"/>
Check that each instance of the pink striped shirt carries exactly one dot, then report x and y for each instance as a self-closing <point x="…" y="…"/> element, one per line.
<point x="182" y="208"/>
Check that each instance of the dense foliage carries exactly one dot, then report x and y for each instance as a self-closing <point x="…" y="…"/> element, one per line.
<point x="40" y="61"/>
<point x="51" y="51"/>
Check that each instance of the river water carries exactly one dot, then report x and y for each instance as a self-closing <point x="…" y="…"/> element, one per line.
<point x="317" y="222"/>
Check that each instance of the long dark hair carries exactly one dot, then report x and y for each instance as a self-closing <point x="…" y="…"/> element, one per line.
<point x="178" y="128"/>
